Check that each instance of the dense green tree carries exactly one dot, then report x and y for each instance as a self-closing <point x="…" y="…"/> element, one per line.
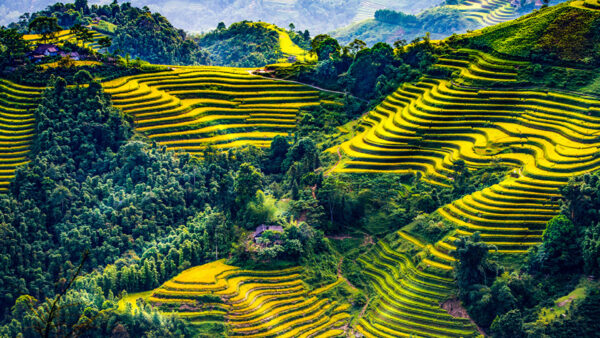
<point x="591" y="250"/>
<point x="581" y="200"/>
<point x="248" y="181"/>
<point x="12" y="46"/>
<point x="325" y="47"/>
<point x="47" y="27"/>
<point x="81" y="5"/>
<point x="105" y="42"/>
<point x="277" y="153"/>
<point x="472" y="267"/>
<point x="242" y="44"/>
<point x="561" y="248"/>
<point x="508" y="325"/>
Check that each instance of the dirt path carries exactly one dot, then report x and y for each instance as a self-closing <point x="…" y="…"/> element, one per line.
<point x="306" y="84"/>
<point x="364" y="309"/>
<point x="336" y="164"/>
<point x="339" y="238"/>
<point x="339" y="274"/>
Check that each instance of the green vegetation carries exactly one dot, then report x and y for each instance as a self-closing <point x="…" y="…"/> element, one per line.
<point x="228" y="45"/>
<point x="440" y="21"/>
<point x="248" y="44"/>
<point x="134" y="31"/>
<point x="433" y="188"/>
<point x="563" y="34"/>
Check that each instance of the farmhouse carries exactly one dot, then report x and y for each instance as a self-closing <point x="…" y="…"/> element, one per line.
<point x="46" y="50"/>
<point x="42" y="51"/>
<point x="259" y="230"/>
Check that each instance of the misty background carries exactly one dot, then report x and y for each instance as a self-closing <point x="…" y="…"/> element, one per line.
<point x="203" y="15"/>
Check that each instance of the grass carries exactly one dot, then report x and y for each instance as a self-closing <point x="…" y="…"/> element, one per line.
<point x="132" y="300"/>
<point x="562" y="304"/>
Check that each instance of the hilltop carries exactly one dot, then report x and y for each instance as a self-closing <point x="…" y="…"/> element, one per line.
<point x="431" y="188"/>
<point x="139" y="33"/>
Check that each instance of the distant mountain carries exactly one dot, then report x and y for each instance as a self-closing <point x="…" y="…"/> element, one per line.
<point x="449" y="17"/>
<point x="318" y="16"/>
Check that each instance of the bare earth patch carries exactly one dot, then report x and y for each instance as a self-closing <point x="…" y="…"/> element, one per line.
<point x="455" y="309"/>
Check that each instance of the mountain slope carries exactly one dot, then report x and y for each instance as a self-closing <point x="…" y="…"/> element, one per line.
<point x="195" y="107"/>
<point x="564" y="33"/>
<point x="16" y="127"/>
<point x="440" y="21"/>
<point x="427" y="127"/>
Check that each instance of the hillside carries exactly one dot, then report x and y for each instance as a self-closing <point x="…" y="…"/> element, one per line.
<point x="192" y="108"/>
<point x="251" y="302"/>
<point x="139" y="33"/>
<point x="254" y="44"/>
<point x="563" y="34"/>
<point x="16" y="128"/>
<point x="429" y="188"/>
<point x="480" y="117"/>
<point x="440" y="21"/>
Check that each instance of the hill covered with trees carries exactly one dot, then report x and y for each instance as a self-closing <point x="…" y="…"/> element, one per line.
<point x="428" y="188"/>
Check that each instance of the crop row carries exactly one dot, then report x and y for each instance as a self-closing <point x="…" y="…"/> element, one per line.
<point x="189" y="109"/>
<point x="17" y="121"/>
<point x="545" y="137"/>
<point x="252" y="303"/>
<point x="408" y="297"/>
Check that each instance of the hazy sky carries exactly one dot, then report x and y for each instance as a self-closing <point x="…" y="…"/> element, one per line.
<point x="318" y="16"/>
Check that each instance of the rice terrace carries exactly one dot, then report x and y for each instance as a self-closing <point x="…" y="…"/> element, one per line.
<point x="418" y="170"/>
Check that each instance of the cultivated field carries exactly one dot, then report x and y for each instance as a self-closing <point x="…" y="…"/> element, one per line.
<point x="411" y="280"/>
<point x="545" y="137"/>
<point x="487" y="12"/>
<point x="251" y="303"/>
<point x="66" y="35"/>
<point x="17" y="121"/>
<point x="192" y="108"/>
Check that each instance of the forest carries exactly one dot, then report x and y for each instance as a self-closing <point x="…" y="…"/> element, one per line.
<point x="258" y="180"/>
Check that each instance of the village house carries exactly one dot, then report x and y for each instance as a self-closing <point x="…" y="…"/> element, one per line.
<point x="73" y="55"/>
<point x="261" y="229"/>
<point x="42" y="51"/>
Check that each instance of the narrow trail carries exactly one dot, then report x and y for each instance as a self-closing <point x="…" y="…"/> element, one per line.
<point x="339" y="274"/>
<point x="251" y="72"/>
<point x="336" y="164"/>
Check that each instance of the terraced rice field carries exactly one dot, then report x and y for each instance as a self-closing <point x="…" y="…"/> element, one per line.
<point x="488" y="12"/>
<point x="367" y="9"/>
<point x="587" y="4"/>
<point x="410" y="288"/>
<point x="192" y="108"/>
<point x="545" y="137"/>
<point x="252" y="303"/>
<point x="66" y="35"/>
<point x="17" y="121"/>
<point x="288" y="47"/>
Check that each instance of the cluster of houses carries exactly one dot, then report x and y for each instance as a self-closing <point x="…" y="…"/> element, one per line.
<point x="49" y="50"/>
